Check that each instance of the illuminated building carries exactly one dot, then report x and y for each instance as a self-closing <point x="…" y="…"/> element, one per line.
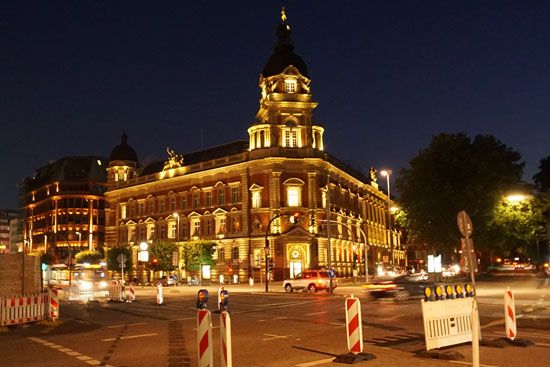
<point x="64" y="206"/>
<point x="6" y="216"/>
<point x="229" y="194"/>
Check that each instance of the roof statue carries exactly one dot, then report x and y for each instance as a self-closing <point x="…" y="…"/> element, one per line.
<point x="283" y="14"/>
<point x="372" y="173"/>
<point x="174" y="160"/>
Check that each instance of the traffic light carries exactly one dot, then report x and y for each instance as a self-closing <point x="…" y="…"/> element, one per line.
<point x="295" y="218"/>
<point x="270" y="265"/>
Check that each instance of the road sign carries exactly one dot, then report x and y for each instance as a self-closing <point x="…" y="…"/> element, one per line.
<point x="465" y="225"/>
<point x="468" y="248"/>
<point x="121" y="259"/>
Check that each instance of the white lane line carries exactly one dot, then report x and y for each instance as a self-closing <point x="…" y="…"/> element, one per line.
<point x="129" y="337"/>
<point x="337" y="324"/>
<point x="280" y="318"/>
<point x="316" y="313"/>
<point x="273" y="336"/>
<point x="69" y="352"/>
<point x="315" y="363"/>
<point x="542" y="344"/>
<point x="469" y="363"/>
<point x="117" y="326"/>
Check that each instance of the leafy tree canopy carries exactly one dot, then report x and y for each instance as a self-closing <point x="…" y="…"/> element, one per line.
<point x="455" y="173"/>
<point x="197" y="253"/>
<point x="92" y="257"/>
<point x="163" y="252"/>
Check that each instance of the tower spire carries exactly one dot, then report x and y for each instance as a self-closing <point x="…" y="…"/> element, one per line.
<point x="283" y="15"/>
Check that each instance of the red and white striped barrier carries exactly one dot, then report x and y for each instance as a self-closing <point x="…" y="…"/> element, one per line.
<point x="54" y="304"/>
<point x="160" y="297"/>
<point x="225" y="337"/>
<point x="204" y="338"/>
<point x="510" y="314"/>
<point x="354" y="327"/>
<point x="22" y="309"/>
<point x="131" y="296"/>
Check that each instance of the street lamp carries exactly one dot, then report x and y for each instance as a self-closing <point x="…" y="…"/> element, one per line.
<point x="79" y="238"/>
<point x="386" y="173"/>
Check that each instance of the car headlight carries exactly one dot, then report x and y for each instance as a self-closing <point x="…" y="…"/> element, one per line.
<point x="85" y="285"/>
<point x="103" y="284"/>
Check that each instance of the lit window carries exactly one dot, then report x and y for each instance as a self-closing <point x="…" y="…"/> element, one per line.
<point x="256" y="199"/>
<point x="293" y="196"/>
<point x="197" y="228"/>
<point x="291" y="138"/>
<point x="290" y="85"/>
<point x="173" y="230"/>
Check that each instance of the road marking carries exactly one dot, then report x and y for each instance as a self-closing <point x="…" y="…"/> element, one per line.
<point x="273" y="336"/>
<point x="69" y="352"/>
<point x="129" y="337"/>
<point x="542" y="344"/>
<point x="137" y="323"/>
<point x="316" y="313"/>
<point x="315" y="363"/>
<point x="469" y="363"/>
<point x="337" y="324"/>
<point x="280" y="318"/>
<point x="493" y="323"/>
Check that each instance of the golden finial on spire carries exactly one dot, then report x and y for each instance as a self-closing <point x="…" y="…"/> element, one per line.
<point x="283" y="14"/>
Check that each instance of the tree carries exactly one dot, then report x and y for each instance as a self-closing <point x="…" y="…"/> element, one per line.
<point x="163" y="252"/>
<point x="92" y="257"/>
<point x="455" y="173"/>
<point x="112" y="258"/>
<point x="197" y="253"/>
<point x="542" y="177"/>
<point x="514" y="227"/>
<point x="542" y="183"/>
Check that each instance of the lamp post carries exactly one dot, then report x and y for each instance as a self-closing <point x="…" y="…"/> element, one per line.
<point x="177" y="216"/>
<point x="386" y="173"/>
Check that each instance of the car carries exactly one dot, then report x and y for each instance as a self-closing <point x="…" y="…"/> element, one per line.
<point x="311" y="281"/>
<point x="400" y="288"/>
<point x="167" y="280"/>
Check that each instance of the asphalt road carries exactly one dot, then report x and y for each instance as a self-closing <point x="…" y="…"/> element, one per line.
<point x="274" y="329"/>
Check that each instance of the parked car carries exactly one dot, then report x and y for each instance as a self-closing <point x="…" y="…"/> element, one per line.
<point x="167" y="280"/>
<point x="311" y="281"/>
<point x="400" y="288"/>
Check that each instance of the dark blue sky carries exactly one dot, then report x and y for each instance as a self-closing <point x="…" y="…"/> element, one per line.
<point x="388" y="76"/>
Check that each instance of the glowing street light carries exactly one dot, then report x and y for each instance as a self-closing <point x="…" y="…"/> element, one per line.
<point x="386" y="173"/>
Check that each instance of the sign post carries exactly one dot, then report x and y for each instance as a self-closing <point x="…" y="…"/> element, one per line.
<point x="466" y="228"/>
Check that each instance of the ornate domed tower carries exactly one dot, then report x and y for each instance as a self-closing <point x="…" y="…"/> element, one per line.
<point x="285" y="117"/>
<point x="123" y="162"/>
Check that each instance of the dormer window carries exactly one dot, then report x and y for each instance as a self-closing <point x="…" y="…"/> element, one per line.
<point x="291" y="85"/>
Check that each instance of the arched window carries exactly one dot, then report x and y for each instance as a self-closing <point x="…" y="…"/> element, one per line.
<point x="293" y="188"/>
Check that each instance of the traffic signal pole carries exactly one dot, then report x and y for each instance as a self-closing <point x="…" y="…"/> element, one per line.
<point x="267" y="252"/>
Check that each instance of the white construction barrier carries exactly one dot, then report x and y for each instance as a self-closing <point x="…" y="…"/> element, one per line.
<point x="354" y="326"/>
<point x="160" y="296"/>
<point x="447" y="320"/>
<point x="225" y="337"/>
<point x="204" y="338"/>
<point x="510" y="315"/>
<point x="16" y="310"/>
<point x="115" y="291"/>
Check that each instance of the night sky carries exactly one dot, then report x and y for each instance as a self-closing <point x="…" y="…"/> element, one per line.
<point x="388" y="75"/>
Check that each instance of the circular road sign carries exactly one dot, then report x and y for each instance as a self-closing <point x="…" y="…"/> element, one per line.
<point x="465" y="225"/>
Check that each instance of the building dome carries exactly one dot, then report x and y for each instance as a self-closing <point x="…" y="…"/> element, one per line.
<point x="123" y="151"/>
<point x="283" y="55"/>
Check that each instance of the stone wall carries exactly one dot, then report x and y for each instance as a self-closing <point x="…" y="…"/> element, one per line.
<point x="19" y="274"/>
